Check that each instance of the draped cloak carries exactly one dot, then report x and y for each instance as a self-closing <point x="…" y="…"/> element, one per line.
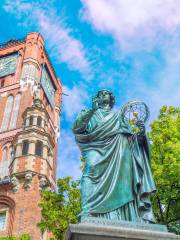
<point x="117" y="171"/>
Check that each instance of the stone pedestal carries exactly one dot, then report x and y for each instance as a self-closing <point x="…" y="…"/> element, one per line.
<point x="99" y="229"/>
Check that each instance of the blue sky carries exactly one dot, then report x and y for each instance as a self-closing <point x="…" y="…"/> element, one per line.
<point x="130" y="49"/>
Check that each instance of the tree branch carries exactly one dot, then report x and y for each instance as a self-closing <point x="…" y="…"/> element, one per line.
<point x="173" y="220"/>
<point x="161" y="212"/>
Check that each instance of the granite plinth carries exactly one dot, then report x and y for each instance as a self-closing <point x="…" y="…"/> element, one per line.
<point x="100" y="229"/>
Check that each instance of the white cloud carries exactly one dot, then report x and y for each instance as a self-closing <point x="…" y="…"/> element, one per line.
<point x="141" y="28"/>
<point x="68" y="156"/>
<point x="164" y="91"/>
<point x="129" y="20"/>
<point x="64" y="47"/>
<point x="74" y="102"/>
<point x="18" y="4"/>
<point x="167" y="90"/>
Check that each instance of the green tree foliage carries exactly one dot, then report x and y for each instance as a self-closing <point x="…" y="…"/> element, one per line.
<point x="165" y="163"/>
<point x="22" y="237"/>
<point x="25" y="237"/>
<point x="60" y="208"/>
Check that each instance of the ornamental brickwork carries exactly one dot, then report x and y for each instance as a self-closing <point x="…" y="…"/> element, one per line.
<point x="30" y="105"/>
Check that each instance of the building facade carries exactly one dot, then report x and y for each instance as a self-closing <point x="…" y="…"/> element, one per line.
<point x="30" y="104"/>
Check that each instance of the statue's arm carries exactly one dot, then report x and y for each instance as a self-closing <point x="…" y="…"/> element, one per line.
<point x="142" y="132"/>
<point x="142" y="138"/>
<point x="82" y="120"/>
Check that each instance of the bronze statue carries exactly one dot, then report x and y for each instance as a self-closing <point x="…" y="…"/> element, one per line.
<point x="116" y="182"/>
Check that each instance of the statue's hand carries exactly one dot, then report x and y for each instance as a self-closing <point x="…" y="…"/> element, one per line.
<point x="82" y="121"/>
<point x="141" y="126"/>
<point x="95" y="104"/>
<point x="87" y="114"/>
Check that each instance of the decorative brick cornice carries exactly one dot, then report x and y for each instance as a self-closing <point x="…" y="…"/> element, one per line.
<point x="12" y="42"/>
<point x="33" y="130"/>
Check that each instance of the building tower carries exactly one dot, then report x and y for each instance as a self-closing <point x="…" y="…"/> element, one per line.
<point x="30" y="103"/>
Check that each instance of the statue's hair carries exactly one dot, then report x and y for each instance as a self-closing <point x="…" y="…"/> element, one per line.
<point x="112" y="97"/>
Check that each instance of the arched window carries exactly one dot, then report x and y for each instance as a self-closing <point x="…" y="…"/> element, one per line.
<point x="27" y="122"/>
<point x="25" y="147"/>
<point x="31" y="120"/>
<point x="10" y="153"/>
<point x="39" y="148"/>
<point x="15" y="111"/>
<point x="7" y="113"/>
<point x="2" y="81"/>
<point x="30" y="73"/>
<point x="4" y="164"/>
<point x="3" y="219"/>
<point x="7" y="204"/>
<point x="4" y="154"/>
<point x="39" y="121"/>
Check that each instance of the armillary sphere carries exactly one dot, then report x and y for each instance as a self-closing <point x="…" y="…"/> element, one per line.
<point x="135" y="111"/>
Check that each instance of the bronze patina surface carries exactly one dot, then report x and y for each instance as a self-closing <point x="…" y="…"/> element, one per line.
<point x="117" y="182"/>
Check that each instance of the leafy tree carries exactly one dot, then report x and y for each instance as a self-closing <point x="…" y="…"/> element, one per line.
<point x="60" y="208"/>
<point x="165" y="163"/>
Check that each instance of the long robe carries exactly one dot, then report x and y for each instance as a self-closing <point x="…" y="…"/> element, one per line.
<point x="117" y="180"/>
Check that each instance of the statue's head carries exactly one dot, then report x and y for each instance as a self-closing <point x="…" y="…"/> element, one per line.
<point x="104" y="97"/>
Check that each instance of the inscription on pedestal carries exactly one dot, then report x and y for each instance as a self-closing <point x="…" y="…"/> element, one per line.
<point x="125" y="224"/>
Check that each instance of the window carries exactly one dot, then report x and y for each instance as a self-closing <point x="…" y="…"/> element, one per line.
<point x="39" y="148"/>
<point x="25" y="147"/>
<point x="11" y="154"/>
<point x="4" y="164"/>
<point x="27" y="122"/>
<point x="2" y="82"/>
<point x="3" y="216"/>
<point x="8" y="64"/>
<point x="31" y="120"/>
<point x="15" y="111"/>
<point x="7" y="113"/>
<point x="39" y="121"/>
<point x="4" y="154"/>
<point x="30" y="73"/>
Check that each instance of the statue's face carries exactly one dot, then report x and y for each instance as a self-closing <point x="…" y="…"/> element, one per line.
<point x="104" y="97"/>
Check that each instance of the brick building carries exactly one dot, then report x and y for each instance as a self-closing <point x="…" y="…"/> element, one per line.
<point x="30" y="103"/>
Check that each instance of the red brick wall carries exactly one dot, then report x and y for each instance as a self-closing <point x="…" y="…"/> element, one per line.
<point x="27" y="212"/>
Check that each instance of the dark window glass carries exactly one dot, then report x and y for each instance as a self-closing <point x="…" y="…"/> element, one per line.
<point x="39" y="148"/>
<point x="31" y="120"/>
<point x="3" y="216"/>
<point x="25" y="147"/>
<point x="7" y="113"/>
<point x="2" y="82"/>
<point x="39" y="121"/>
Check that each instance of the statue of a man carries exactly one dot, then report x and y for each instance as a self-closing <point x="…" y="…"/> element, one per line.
<point x="117" y="181"/>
